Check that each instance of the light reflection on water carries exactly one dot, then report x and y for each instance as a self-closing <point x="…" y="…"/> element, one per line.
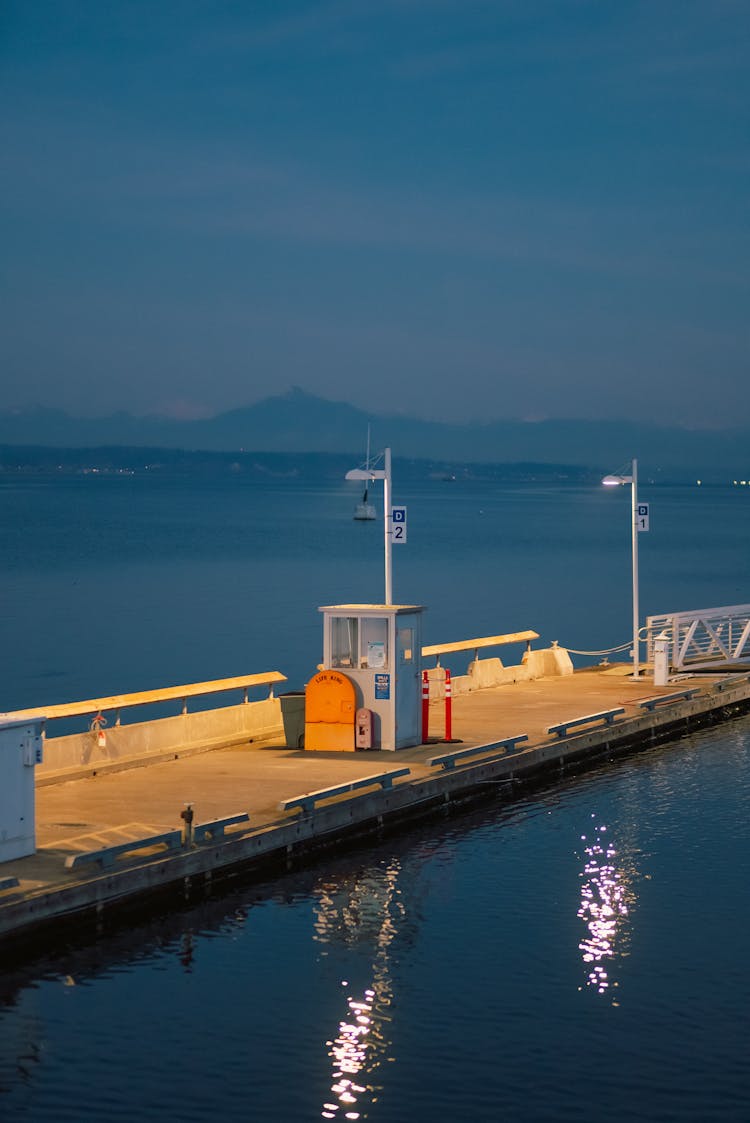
<point x="607" y="899"/>
<point x="366" y="911"/>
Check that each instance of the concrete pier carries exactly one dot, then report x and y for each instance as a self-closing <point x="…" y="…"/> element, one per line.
<point x="83" y="815"/>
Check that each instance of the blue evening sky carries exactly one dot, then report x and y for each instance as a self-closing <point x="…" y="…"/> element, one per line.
<point x="451" y="208"/>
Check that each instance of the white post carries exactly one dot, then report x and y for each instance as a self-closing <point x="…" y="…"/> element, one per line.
<point x="387" y="527"/>
<point x="661" y="659"/>
<point x="636" y="641"/>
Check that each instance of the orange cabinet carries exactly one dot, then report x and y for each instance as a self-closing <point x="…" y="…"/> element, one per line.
<point x="330" y="709"/>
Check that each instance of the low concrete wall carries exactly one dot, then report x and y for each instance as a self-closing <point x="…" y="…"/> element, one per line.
<point x="162" y="737"/>
<point x="483" y="674"/>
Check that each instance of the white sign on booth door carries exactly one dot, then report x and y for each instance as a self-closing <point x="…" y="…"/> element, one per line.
<point x="398" y="525"/>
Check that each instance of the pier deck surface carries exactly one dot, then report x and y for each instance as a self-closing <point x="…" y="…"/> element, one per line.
<point x="86" y="814"/>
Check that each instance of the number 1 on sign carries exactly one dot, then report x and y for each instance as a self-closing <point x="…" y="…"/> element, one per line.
<point x="398" y="525"/>
<point x="641" y="516"/>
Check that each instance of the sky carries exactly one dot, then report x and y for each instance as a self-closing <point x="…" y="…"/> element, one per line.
<point x="453" y="209"/>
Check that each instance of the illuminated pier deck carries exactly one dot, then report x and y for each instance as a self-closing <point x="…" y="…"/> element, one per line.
<point x="82" y="815"/>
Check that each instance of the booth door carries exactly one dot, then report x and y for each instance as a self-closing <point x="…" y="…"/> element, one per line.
<point x="408" y="694"/>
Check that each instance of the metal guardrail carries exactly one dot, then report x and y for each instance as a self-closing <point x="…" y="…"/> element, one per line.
<point x="703" y="639"/>
<point x="730" y="681"/>
<point x="607" y="716"/>
<point x="308" y="801"/>
<point x="106" y="856"/>
<point x="658" y="700"/>
<point x="499" y="748"/>
<point x="215" y="829"/>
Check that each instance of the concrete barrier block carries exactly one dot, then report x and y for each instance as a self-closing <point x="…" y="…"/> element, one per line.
<point x="517" y="673"/>
<point x="460" y="684"/>
<point x="436" y="677"/>
<point x="547" y="662"/>
<point x="485" y="673"/>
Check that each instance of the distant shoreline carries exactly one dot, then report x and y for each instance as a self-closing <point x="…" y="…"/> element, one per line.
<point x="127" y="460"/>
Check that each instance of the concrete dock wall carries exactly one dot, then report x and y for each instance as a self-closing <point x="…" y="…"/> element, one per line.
<point x="483" y="674"/>
<point x="159" y="739"/>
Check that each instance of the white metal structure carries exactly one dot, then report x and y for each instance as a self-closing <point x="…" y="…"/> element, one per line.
<point x="617" y="481"/>
<point x="704" y="638"/>
<point x="20" y="750"/>
<point x="383" y="474"/>
<point x="379" y="648"/>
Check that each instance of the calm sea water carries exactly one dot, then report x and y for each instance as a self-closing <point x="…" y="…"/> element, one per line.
<point x="579" y="955"/>
<point x="113" y="584"/>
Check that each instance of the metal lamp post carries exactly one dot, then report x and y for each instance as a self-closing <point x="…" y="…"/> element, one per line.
<point x="618" y="481"/>
<point x="383" y="474"/>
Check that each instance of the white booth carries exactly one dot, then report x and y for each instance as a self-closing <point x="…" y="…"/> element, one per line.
<point x="379" y="648"/>
<point x="20" y="751"/>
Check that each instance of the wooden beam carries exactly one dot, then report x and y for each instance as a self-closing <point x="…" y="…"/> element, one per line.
<point x="145" y="697"/>
<point x="475" y="644"/>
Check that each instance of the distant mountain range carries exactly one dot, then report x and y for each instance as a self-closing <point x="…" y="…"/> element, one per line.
<point x="297" y="422"/>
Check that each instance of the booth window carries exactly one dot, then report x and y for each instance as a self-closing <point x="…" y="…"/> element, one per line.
<point x="374" y="641"/>
<point x="406" y="644"/>
<point x="344" y="641"/>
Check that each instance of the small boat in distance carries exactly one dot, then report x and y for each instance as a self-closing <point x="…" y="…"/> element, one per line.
<point x="365" y="510"/>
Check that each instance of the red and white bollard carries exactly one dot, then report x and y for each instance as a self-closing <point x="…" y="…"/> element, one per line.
<point x="449" y="738"/>
<point x="425" y="706"/>
<point x="448" y="707"/>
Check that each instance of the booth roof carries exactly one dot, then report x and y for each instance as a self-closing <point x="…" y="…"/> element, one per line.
<point x="370" y="609"/>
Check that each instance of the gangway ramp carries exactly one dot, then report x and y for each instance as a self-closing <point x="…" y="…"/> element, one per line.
<point x="705" y="639"/>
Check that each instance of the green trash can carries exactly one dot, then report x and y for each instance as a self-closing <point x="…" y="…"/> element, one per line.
<point x="293" y="716"/>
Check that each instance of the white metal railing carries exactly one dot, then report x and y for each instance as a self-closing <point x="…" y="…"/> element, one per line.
<point x="705" y="637"/>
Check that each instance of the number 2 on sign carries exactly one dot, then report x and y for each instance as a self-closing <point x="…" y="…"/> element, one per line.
<point x="398" y="524"/>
